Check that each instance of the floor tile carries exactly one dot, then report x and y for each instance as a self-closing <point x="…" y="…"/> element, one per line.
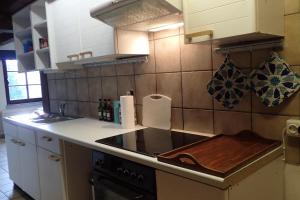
<point x="13" y="194"/>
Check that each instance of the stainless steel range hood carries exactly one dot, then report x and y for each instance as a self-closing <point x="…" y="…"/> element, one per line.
<point x="139" y="15"/>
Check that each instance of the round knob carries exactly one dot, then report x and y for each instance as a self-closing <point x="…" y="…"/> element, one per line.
<point x="133" y="175"/>
<point x="99" y="162"/>
<point x="119" y="170"/>
<point x="126" y="172"/>
<point x="140" y="178"/>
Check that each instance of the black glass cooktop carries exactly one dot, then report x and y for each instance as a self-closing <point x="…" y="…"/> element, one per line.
<point x="151" y="141"/>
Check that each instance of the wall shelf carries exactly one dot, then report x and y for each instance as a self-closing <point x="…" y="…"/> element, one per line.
<point x="42" y="51"/>
<point x="40" y="30"/>
<point x="41" y="25"/>
<point x="26" y="55"/>
<point x="270" y="44"/>
<point x="30" y="24"/>
<point x="23" y="34"/>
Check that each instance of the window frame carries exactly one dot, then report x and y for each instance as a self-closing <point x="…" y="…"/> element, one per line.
<point x="11" y="55"/>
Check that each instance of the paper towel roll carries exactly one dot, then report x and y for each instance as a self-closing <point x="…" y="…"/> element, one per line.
<point x="127" y="112"/>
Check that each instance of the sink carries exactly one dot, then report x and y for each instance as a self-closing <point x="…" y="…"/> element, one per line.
<point x="51" y="118"/>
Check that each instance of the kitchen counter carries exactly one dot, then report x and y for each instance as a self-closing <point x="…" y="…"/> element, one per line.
<point x="85" y="132"/>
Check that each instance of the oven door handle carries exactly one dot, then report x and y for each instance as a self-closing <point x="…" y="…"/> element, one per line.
<point x="92" y="183"/>
<point x="139" y="196"/>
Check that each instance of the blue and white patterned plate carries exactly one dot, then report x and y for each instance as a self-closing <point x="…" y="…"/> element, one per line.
<point x="274" y="81"/>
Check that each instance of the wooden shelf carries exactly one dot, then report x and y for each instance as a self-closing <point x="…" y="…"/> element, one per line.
<point x="42" y="51"/>
<point x="26" y="33"/>
<point x="41" y="25"/>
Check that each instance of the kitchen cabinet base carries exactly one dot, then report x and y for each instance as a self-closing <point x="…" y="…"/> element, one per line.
<point x="78" y="167"/>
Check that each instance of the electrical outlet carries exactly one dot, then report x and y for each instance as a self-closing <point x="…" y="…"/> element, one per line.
<point x="293" y="127"/>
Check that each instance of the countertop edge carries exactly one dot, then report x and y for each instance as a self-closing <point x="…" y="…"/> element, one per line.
<point x="214" y="181"/>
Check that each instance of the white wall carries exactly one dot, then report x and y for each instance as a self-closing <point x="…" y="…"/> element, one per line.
<point x="2" y="90"/>
<point x="2" y="98"/>
<point x="8" y="46"/>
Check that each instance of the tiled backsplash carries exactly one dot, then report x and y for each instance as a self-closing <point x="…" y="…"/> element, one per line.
<point x="181" y="72"/>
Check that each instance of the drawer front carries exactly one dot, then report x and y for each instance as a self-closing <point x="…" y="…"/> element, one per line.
<point x="49" y="142"/>
<point x="26" y="135"/>
<point x="10" y="129"/>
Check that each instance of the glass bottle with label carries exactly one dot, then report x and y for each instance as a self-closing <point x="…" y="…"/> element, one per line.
<point x="100" y="110"/>
<point x="109" y="111"/>
<point x="105" y="110"/>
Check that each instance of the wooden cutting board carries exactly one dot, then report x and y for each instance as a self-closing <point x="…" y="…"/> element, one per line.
<point x="221" y="155"/>
<point x="157" y="111"/>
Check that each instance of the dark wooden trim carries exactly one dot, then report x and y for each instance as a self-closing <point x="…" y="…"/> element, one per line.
<point x="18" y="5"/>
<point x="5" y="78"/>
<point x="4" y="55"/>
<point x="5" y="22"/>
<point x="45" y="92"/>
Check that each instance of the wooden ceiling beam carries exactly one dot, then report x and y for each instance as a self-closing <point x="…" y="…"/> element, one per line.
<point x="5" y="37"/>
<point x="5" y="22"/>
<point x="19" y="4"/>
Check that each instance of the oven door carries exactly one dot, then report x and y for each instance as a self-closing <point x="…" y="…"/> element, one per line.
<point x="108" y="188"/>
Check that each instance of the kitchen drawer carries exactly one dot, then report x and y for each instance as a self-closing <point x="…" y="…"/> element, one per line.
<point x="26" y="135"/>
<point x="48" y="141"/>
<point x="10" y="129"/>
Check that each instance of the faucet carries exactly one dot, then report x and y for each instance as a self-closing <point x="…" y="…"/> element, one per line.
<point x="61" y="109"/>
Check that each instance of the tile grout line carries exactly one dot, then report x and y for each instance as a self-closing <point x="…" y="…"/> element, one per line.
<point x="181" y="73"/>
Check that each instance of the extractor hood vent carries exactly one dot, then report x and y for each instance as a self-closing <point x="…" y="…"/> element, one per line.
<point x="118" y="61"/>
<point x="139" y="15"/>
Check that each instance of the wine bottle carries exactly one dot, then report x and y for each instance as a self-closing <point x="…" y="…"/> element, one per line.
<point x="100" y="110"/>
<point x="105" y="110"/>
<point x="109" y="113"/>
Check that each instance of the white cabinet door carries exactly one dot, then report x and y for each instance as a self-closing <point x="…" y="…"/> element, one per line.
<point x="51" y="176"/>
<point x="29" y="169"/>
<point x="13" y="160"/>
<point x="10" y="129"/>
<point x="225" y="19"/>
<point x="96" y="37"/>
<point x="63" y="29"/>
<point x="172" y="187"/>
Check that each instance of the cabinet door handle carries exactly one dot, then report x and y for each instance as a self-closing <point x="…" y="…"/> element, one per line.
<point x="54" y="158"/>
<point x="14" y="141"/>
<point x="82" y="54"/>
<point x="17" y="142"/>
<point x="76" y="56"/>
<point x="190" y="36"/>
<point x="22" y="144"/>
<point x="47" y="138"/>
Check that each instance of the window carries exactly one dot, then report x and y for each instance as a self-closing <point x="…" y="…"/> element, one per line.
<point x="21" y="87"/>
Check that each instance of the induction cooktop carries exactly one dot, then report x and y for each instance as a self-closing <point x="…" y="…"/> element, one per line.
<point x="151" y="141"/>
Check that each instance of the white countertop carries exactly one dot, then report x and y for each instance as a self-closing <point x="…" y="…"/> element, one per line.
<point x="85" y="132"/>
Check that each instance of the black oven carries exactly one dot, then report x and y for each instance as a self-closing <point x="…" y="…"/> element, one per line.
<point x="114" y="178"/>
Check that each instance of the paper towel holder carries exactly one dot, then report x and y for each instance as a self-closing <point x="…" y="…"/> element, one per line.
<point x="157" y="111"/>
<point x="155" y="96"/>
